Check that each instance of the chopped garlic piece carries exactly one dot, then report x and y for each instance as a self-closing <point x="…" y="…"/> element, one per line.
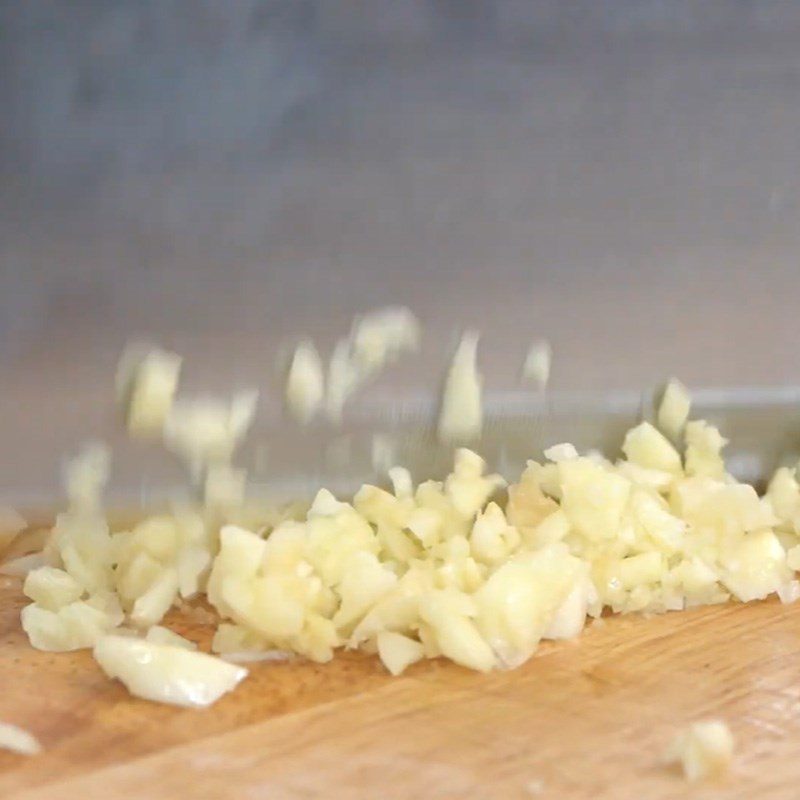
<point x="401" y="482"/>
<point x="206" y="430"/>
<point x="397" y="652"/>
<point x="704" y="750"/>
<point x="86" y="476"/>
<point x="384" y="449"/>
<point x="570" y="618"/>
<point x="449" y="613"/>
<point x="224" y="487"/>
<point x="560" y="452"/>
<point x="161" y="635"/>
<point x="51" y="588"/>
<point x="645" y="446"/>
<point x="673" y="410"/>
<point x="537" y="363"/>
<point x="305" y="385"/>
<point x="381" y="336"/>
<point x="704" y="445"/>
<point x="18" y="740"/>
<point x="147" y="380"/>
<point x="343" y="379"/>
<point x="149" y="609"/>
<point x="167" y="674"/>
<point x="461" y="417"/>
<point x="73" y="627"/>
<point x="375" y="340"/>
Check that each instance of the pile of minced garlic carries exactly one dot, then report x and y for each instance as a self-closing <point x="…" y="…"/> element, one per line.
<point x="467" y="568"/>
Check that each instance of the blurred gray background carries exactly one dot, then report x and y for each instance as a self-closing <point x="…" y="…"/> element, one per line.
<point x="620" y="177"/>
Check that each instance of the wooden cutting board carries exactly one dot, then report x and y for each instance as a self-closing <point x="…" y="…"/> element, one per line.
<point x="589" y="719"/>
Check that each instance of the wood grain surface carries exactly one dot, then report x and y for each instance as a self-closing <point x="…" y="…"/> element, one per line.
<point x="590" y="719"/>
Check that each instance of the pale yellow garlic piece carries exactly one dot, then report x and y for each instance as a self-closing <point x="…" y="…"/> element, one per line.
<point x="401" y="483"/>
<point x="224" y="488"/>
<point x="729" y="508"/>
<point x="448" y="613"/>
<point x="382" y="335"/>
<point x="550" y="530"/>
<point x="397" y="611"/>
<point x="72" y="627"/>
<point x="149" y="608"/>
<point x="528" y="505"/>
<point x="655" y="479"/>
<point x="375" y="340"/>
<point x="426" y="525"/>
<point x="305" y="385"/>
<point x="704" y="445"/>
<point x="85" y="477"/>
<point x="569" y="618"/>
<point x="192" y="565"/>
<point x="166" y="674"/>
<point x="51" y="588"/>
<point x="520" y="599"/>
<point x="231" y="638"/>
<point x="207" y="430"/>
<point x="783" y="494"/>
<point x="467" y="487"/>
<point x="704" y="750"/>
<point x="18" y="740"/>
<point x="270" y="605"/>
<point x="364" y="583"/>
<point x="644" y="568"/>
<point x="756" y="567"/>
<point x="161" y="635"/>
<point x="461" y="415"/>
<point x="137" y="577"/>
<point x="594" y="498"/>
<point x="147" y="380"/>
<point x="397" y="652"/>
<point x="240" y="557"/>
<point x="493" y="539"/>
<point x="332" y="541"/>
<point x="343" y="380"/>
<point x="561" y="452"/>
<point x="674" y="408"/>
<point x="537" y="363"/>
<point x="317" y="639"/>
<point x="157" y="536"/>
<point x="646" y="446"/>
<point x="650" y="513"/>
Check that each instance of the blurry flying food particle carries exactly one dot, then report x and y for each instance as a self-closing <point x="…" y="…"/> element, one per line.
<point x="537" y="363"/>
<point x="305" y="386"/>
<point x="673" y="410"/>
<point x="461" y="416"/>
<point x="375" y="340"/>
<point x="147" y="379"/>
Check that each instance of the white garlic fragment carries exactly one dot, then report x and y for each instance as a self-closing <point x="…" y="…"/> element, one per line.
<point x="537" y="363"/>
<point x="461" y="415"/>
<point x="18" y="740"/>
<point x="167" y="674"/>
<point x="704" y="750"/>
<point x="147" y="380"/>
<point x="305" y="384"/>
